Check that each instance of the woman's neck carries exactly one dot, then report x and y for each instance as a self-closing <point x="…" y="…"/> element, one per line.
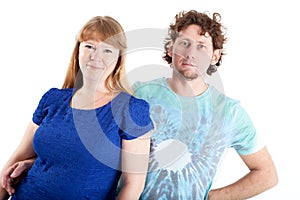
<point x="90" y="96"/>
<point x="93" y="87"/>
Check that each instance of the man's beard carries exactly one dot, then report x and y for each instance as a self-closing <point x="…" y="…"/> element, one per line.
<point x="188" y="75"/>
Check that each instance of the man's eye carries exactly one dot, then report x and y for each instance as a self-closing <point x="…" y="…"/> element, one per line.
<point x="200" y="46"/>
<point x="184" y="43"/>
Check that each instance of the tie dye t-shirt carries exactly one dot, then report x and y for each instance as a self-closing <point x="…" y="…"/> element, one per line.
<point x="190" y="137"/>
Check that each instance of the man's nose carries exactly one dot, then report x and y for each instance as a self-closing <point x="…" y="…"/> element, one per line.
<point x="190" y="52"/>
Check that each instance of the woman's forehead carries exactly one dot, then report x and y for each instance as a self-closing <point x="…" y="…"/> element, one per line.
<point x="93" y="35"/>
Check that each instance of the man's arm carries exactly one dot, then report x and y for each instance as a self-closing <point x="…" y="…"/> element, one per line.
<point x="262" y="176"/>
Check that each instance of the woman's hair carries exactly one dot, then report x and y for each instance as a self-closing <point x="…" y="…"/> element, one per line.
<point x="211" y="26"/>
<point x="100" y="28"/>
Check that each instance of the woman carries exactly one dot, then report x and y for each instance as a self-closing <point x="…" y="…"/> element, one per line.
<point x="86" y="133"/>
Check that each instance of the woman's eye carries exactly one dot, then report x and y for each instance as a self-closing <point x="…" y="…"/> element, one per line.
<point x="88" y="46"/>
<point x="107" y="51"/>
<point x="201" y="46"/>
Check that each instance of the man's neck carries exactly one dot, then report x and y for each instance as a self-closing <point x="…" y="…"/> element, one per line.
<point x="189" y="88"/>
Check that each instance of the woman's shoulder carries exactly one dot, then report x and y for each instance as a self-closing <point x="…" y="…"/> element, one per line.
<point x="128" y="100"/>
<point x="133" y="100"/>
<point x="58" y="91"/>
<point x="56" y="94"/>
<point x="135" y="114"/>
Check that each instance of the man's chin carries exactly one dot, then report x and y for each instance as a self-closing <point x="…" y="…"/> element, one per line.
<point x="189" y="77"/>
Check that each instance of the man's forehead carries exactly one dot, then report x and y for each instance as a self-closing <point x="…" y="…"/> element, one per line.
<point x="200" y="37"/>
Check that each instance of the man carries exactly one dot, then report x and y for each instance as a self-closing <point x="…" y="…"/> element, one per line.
<point x="195" y="123"/>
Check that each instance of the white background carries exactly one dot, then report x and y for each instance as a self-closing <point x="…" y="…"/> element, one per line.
<point x="260" y="68"/>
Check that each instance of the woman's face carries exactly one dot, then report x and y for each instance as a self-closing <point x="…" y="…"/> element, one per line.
<point x="97" y="59"/>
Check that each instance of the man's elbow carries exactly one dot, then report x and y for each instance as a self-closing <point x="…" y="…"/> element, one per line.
<point x="272" y="178"/>
<point x="273" y="181"/>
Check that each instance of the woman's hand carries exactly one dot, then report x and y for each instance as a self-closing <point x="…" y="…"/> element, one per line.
<point x="12" y="176"/>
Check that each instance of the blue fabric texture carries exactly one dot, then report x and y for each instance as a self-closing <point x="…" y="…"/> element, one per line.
<point x="190" y="137"/>
<point x="78" y="151"/>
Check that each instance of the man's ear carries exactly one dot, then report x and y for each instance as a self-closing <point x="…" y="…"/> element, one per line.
<point x="216" y="56"/>
<point x="170" y="49"/>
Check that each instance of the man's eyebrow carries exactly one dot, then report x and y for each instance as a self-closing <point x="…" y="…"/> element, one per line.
<point x="196" y="41"/>
<point x="184" y="37"/>
<point x="202" y="41"/>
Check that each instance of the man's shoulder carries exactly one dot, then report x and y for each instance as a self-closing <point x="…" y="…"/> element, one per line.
<point x="220" y="97"/>
<point x="150" y="89"/>
<point x="148" y="85"/>
<point x="139" y="84"/>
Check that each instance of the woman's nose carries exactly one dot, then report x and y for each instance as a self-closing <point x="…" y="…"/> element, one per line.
<point x="96" y="55"/>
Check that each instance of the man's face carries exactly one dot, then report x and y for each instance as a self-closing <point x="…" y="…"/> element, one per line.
<point x="192" y="53"/>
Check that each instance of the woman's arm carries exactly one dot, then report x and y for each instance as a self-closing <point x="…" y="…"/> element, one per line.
<point x="14" y="174"/>
<point x="135" y="158"/>
<point x="24" y="151"/>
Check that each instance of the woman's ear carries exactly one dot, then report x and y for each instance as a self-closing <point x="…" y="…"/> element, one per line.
<point x="216" y="56"/>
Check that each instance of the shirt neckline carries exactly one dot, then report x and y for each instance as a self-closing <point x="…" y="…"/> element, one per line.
<point x="202" y="95"/>
<point x="92" y="109"/>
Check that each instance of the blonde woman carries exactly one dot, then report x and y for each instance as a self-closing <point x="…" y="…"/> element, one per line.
<point x="86" y="134"/>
